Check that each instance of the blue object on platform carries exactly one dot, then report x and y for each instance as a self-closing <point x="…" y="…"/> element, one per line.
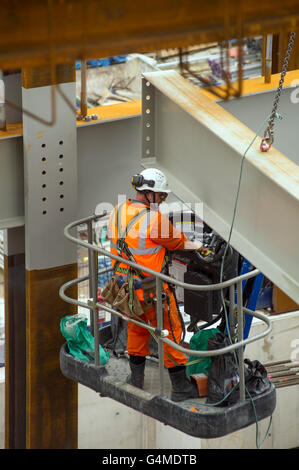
<point x="254" y="296"/>
<point x="265" y="299"/>
<point x="253" y="301"/>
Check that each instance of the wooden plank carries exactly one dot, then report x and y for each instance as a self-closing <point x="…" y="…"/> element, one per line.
<point x="52" y="400"/>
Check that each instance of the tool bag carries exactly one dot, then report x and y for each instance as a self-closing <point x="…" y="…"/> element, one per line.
<point x="223" y="375"/>
<point x="127" y="301"/>
<point x="122" y="298"/>
<point x="110" y="291"/>
<point x="199" y="342"/>
<point x="256" y="380"/>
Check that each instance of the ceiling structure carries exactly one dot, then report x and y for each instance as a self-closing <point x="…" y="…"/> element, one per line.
<point x="35" y="33"/>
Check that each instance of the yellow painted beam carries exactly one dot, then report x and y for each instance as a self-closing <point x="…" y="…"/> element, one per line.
<point x="133" y="108"/>
<point x="258" y="85"/>
<point x="106" y="113"/>
<point x="113" y="112"/>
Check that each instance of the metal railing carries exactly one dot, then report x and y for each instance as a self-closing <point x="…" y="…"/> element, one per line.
<point x="93" y="305"/>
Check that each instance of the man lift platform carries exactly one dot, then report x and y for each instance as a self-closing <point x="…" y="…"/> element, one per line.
<point x="193" y="416"/>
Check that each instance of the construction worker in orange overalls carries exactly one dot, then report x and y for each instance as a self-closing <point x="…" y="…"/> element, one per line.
<point x="147" y="235"/>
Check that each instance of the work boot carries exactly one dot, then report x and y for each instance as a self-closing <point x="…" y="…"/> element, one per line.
<point x="136" y="378"/>
<point x="182" y="388"/>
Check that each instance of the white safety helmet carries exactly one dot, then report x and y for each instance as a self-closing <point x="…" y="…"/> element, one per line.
<point x="150" y="179"/>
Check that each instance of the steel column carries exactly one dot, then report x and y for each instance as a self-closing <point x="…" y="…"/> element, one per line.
<point x="50" y="162"/>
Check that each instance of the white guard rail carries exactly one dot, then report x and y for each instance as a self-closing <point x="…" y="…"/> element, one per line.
<point x="93" y="305"/>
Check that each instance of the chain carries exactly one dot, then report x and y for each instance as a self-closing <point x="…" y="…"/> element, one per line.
<point x="269" y="132"/>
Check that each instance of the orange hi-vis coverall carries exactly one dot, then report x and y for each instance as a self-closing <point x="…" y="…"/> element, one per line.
<point x="147" y="239"/>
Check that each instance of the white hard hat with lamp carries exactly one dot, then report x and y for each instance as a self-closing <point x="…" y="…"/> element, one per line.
<point x="151" y="179"/>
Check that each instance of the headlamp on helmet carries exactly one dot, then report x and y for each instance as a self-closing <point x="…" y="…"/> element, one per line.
<point x="139" y="180"/>
<point x="150" y="179"/>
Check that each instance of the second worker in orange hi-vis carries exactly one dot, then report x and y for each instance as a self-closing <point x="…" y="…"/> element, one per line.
<point x="147" y="235"/>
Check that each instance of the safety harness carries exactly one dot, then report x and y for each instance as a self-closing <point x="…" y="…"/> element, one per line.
<point x="122" y="247"/>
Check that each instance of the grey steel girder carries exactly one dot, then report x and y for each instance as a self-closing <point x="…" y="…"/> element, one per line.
<point x="108" y="153"/>
<point x="50" y="177"/>
<point x="199" y="145"/>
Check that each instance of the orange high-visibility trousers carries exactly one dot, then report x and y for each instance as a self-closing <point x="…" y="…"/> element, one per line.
<point x="138" y="337"/>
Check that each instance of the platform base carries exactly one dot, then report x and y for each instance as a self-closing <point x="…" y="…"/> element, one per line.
<point x="208" y="422"/>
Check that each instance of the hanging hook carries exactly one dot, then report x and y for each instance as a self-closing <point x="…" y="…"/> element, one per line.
<point x="268" y="140"/>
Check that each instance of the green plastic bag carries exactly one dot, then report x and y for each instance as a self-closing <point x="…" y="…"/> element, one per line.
<point x="199" y="342"/>
<point x="79" y="340"/>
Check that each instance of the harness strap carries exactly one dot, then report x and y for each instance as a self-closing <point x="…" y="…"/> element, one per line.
<point x="122" y="245"/>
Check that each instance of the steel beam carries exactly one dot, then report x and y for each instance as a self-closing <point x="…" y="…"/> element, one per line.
<point x="50" y="177"/>
<point x="199" y="146"/>
<point x="107" y="151"/>
<point x="254" y="107"/>
<point x="38" y="33"/>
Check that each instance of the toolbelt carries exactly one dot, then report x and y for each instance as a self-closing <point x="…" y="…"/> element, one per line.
<point x="120" y="293"/>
